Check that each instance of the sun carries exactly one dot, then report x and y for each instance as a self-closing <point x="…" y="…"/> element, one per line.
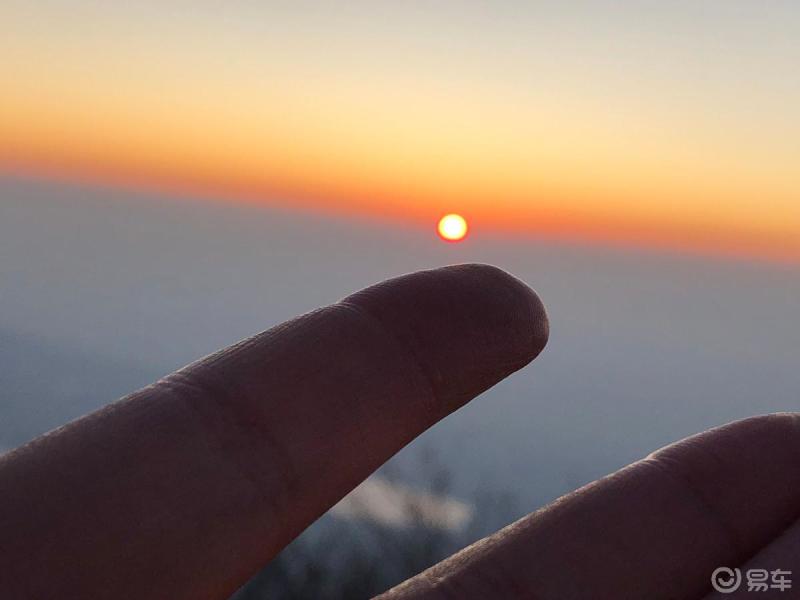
<point x="452" y="228"/>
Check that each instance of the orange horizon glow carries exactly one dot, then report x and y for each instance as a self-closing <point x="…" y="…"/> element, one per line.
<point x="556" y="227"/>
<point x="613" y="154"/>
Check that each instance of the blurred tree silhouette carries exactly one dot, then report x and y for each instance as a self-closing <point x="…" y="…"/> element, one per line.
<point x="361" y="557"/>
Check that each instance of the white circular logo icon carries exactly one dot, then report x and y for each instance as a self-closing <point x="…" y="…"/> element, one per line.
<point x="725" y="580"/>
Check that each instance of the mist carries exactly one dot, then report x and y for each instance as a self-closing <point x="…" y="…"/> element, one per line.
<point x="103" y="290"/>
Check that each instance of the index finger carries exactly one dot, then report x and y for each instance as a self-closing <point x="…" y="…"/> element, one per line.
<point x="186" y="488"/>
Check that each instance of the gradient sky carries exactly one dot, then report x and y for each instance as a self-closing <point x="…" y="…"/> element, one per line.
<point x="663" y="123"/>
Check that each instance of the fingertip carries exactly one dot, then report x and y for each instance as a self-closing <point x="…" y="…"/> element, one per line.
<point x="468" y="326"/>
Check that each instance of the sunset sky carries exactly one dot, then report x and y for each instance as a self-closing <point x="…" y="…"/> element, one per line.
<point x="671" y="124"/>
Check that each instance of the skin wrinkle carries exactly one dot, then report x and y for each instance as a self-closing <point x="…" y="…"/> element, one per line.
<point x="433" y="404"/>
<point x="220" y="401"/>
<point x="669" y="466"/>
<point x="730" y="463"/>
<point x="420" y="390"/>
<point x="793" y="420"/>
<point x="233" y="405"/>
<point x="188" y="487"/>
<point x="779" y="421"/>
<point x="665" y="467"/>
<point x="225" y="394"/>
<point x="509" y="306"/>
<point x="433" y="376"/>
<point x="142" y="493"/>
<point x="196" y="397"/>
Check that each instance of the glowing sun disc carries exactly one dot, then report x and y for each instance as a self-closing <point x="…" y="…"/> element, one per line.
<point x="452" y="228"/>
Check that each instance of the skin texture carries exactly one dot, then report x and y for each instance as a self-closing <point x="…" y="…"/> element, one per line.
<point x="656" y="529"/>
<point x="186" y="488"/>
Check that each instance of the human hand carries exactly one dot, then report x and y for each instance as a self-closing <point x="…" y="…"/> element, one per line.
<point x="187" y="487"/>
